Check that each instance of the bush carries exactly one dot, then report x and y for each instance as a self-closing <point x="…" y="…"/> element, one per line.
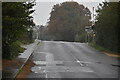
<point x="13" y="50"/>
<point x="107" y="26"/>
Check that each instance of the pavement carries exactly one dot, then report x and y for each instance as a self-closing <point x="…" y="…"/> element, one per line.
<point x="57" y="59"/>
<point x="12" y="72"/>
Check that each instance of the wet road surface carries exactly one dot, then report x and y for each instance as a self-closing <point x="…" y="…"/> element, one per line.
<point x="71" y="60"/>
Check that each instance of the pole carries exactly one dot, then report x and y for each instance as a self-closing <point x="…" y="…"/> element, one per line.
<point x="86" y="37"/>
<point x="93" y="15"/>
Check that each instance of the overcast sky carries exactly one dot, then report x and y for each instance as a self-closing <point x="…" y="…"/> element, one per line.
<point x="43" y="9"/>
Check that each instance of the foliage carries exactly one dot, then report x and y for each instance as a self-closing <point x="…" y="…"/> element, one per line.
<point x="67" y="20"/>
<point x="100" y="48"/>
<point x="15" y="48"/>
<point x="97" y="47"/>
<point x="15" y="21"/>
<point x="107" y="25"/>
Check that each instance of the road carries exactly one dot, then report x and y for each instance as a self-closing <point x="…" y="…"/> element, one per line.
<point x="71" y="60"/>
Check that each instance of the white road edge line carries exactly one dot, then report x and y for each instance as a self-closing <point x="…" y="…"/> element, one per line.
<point x="46" y="76"/>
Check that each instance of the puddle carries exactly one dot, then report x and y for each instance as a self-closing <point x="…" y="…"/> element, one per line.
<point x="98" y="62"/>
<point x="115" y="65"/>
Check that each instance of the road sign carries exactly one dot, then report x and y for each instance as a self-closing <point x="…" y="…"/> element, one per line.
<point x="88" y="29"/>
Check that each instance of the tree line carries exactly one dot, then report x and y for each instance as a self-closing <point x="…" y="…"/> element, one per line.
<point x="67" y="23"/>
<point x="68" y="20"/>
<point x="108" y="25"/>
<point x="16" y="20"/>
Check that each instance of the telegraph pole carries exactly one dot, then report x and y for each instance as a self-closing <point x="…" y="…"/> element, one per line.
<point x="93" y="16"/>
<point x="93" y="23"/>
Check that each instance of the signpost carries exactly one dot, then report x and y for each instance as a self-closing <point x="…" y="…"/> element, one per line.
<point x="89" y="30"/>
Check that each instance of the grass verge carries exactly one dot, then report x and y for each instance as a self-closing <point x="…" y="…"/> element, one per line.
<point x="97" y="47"/>
<point x="105" y="51"/>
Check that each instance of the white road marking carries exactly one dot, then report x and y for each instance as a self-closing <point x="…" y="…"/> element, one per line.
<point x="51" y="66"/>
<point x="78" y="61"/>
<point x="46" y="62"/>
<point x="58" y="69"/>
<point x="49" y="63"/>
<point x="35" y="72"/>
<point x="46" y="76"/>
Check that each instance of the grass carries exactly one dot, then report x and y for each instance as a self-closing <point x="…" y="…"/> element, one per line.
<point x="99" y="48"/>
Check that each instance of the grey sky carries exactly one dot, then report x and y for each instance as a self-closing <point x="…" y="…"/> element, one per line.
<point x="43" y="10"/>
